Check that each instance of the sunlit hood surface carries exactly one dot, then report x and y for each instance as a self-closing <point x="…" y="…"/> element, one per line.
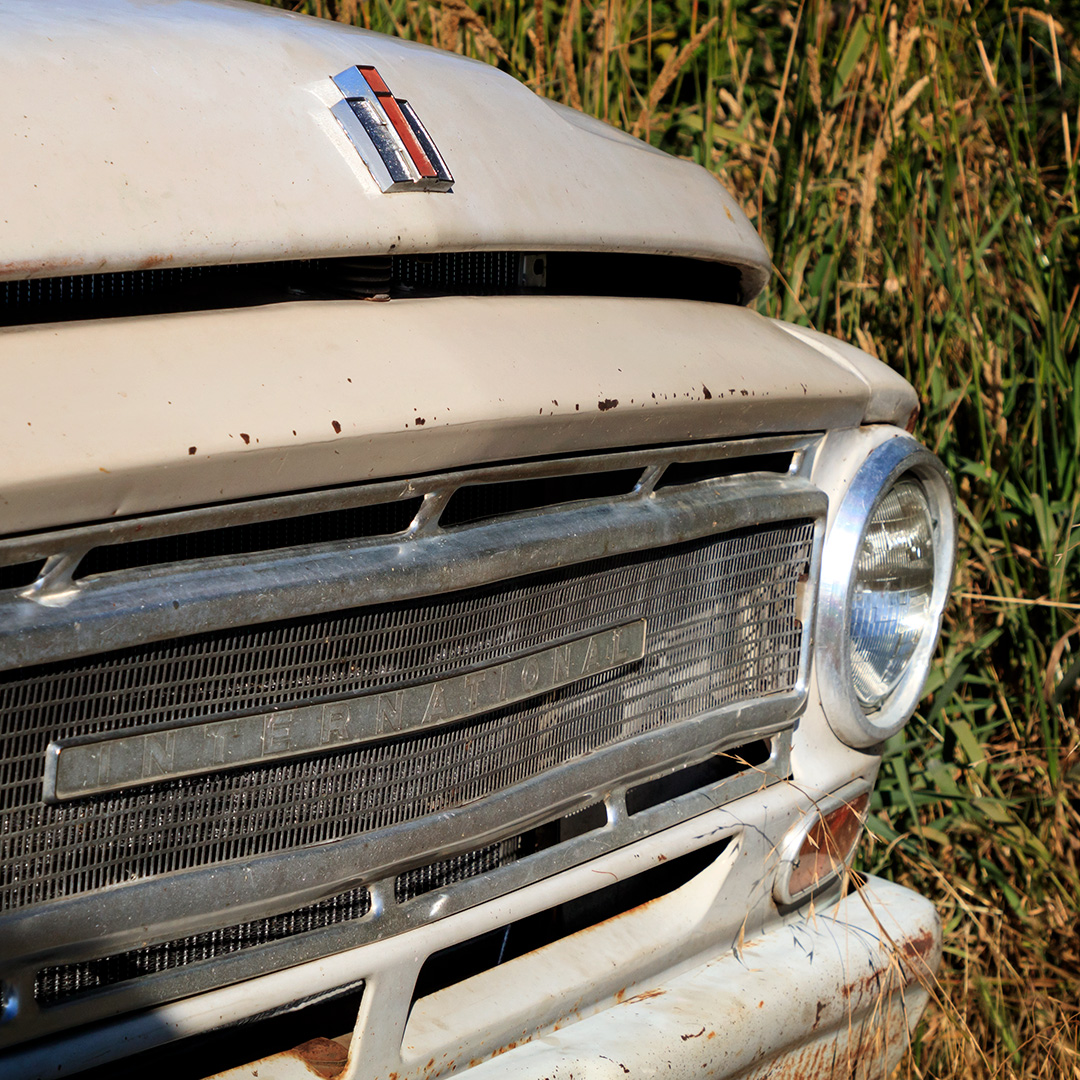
<point x="140" y="134"/>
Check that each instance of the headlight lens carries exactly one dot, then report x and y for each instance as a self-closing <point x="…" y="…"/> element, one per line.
<point x="892" y="594"/>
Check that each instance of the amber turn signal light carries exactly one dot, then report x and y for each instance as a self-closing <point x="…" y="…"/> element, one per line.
<point x="821" y="847"/>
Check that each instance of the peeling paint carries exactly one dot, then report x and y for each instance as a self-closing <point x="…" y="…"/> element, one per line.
<point x="607" y="403"/>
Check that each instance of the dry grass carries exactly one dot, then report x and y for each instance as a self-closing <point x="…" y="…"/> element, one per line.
<point x="913" y="168"/>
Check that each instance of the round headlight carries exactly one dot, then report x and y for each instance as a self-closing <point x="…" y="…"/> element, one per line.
<point x="885" y="575"/>
<point x="892" y="593"/>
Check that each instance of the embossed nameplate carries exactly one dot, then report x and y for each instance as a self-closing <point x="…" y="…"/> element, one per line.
<point x="75" y="768"/>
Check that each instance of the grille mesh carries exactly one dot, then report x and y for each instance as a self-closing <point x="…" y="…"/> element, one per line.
<point x="460" y="868"/>
<point x="55" y="984"/>
<point x="722" y="628"/>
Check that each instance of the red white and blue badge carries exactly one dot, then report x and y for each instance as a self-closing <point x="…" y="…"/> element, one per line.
<point x="388" y="134"/>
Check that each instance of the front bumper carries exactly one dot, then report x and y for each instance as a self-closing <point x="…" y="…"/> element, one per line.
<point x="828" y="993"/>
<point x="831" y="993"/>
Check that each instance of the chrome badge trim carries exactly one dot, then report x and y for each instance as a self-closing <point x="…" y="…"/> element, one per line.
<point x="92" y="766"/>
<point x="388" y="134"/>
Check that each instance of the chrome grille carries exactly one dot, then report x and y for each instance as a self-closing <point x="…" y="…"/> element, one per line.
<point x="723" y="628"/>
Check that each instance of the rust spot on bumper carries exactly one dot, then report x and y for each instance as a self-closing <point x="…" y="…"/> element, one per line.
<point x="323" y="1057"/>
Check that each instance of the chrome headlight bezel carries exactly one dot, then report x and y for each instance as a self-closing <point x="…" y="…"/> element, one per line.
<point x="897" y="459"/>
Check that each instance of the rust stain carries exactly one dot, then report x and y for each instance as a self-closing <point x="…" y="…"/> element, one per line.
<point x="693" y="1034"/>
<point x="607" y="403"/>
<point x="336" y="426"/>
<point x="246" y="437"/>
<point x="323" y="1057"/>
<point x="26" y="268"/>
<point x="510" y="1046"/>
<point x="920" y="946"/>
<point x="646" y="994"/>
<point x="619" y="995"/>
<point x="155" y="260"/>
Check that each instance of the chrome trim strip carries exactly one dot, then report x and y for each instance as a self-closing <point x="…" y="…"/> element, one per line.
<point x="75" y="768"/>
<point x="80" y="538"/>
<point x="127" y="608"/>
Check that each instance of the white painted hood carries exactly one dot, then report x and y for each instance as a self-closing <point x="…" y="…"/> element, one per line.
<point x="137" y="134"/>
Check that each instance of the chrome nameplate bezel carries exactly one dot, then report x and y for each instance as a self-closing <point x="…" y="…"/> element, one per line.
<point x="78" y="768"/>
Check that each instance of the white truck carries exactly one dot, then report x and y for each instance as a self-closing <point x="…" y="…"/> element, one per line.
<point x="443" y="628"/>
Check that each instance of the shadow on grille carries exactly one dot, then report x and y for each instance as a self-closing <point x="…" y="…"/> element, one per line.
<point x="20" y="575"/>
<point x="354" y="523"/>
<point x="690" y="472"/>
<point x="240" y="1043"/>
<point x="486" y="951"/>
<point x="477" y="502"/>
<point x="693" y="777"/>
<point x="62" y="982"/>
<point x="425" y="879"/>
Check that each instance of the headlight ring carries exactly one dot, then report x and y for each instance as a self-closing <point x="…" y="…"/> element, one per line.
<point x="886" y="571"/>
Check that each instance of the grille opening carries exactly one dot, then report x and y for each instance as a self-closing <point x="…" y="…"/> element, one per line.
<point x="480" y="502"/>
<point x="486" y="951"/>
<point x="63" y="982"/>
<point x="425" y="879"/>
<point x="691" y="472"/>
<point x="354" y="523"/>
<point x="230" y="1047"/>
<point x="206" y="288"/>
<point x="19" y="575"/>
<point x="694" y="777"/>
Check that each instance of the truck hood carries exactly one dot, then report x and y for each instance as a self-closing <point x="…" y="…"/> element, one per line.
<point x="138" y="134"/>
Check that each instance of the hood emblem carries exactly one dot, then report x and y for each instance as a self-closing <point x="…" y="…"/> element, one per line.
<point x="388" y="134"/>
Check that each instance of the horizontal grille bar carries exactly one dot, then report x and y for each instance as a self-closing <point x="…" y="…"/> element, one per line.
<point x="63" y="982"/>
<point x="723" y="627"/>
